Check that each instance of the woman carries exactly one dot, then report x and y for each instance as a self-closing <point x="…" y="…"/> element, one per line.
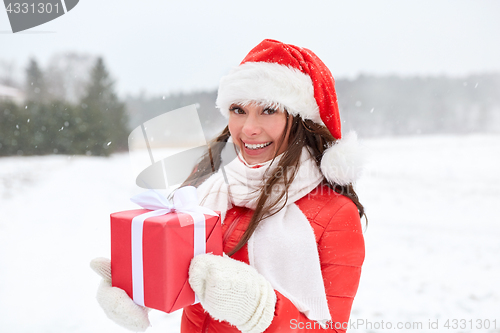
<point x="291" y="219"/>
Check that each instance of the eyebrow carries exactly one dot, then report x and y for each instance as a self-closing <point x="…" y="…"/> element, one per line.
<point x="276" y="106"/>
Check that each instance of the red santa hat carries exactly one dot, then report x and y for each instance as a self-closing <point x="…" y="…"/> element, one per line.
<point x="274" y="73"/>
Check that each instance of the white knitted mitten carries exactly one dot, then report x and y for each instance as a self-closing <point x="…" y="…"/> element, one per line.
<point x="117" y="305"/>
<point x="233" y="291"/>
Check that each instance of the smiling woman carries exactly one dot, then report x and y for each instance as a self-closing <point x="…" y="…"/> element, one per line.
<point x="291" y="219"/>
<point x="259" y="131"/>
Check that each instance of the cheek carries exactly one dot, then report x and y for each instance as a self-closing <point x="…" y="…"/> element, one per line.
<point x="278" y="134"/>
<point x="233" y="130"/>
<point x="276" y="128"/>
<point x="231" y="125"/>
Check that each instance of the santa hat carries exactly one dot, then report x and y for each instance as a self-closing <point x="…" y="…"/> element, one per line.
<point x="274" y="73"/>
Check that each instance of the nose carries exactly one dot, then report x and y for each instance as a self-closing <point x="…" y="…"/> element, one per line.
<point x="251" y="127"/>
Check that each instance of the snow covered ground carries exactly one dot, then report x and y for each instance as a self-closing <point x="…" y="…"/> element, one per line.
<point x="432" y="242"/>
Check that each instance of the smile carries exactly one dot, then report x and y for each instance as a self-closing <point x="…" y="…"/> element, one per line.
<point x="257" y="146"/>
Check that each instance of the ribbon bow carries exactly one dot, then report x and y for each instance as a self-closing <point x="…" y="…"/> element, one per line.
<point x="185" y="200"/>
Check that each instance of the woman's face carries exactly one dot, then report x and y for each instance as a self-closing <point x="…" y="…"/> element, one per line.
<point x="257" y="131"/>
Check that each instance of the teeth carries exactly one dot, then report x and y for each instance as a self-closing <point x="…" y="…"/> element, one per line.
<point x="257" y="146"/>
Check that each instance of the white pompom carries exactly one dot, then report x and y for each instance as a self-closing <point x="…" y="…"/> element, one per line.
<point x="342" y="163"/>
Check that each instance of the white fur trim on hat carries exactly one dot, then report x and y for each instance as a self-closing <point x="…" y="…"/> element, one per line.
<point x="272" y="84"/>
<point x="342" y="163"/>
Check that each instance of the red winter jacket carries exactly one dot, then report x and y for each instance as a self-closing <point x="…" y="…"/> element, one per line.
<point x="336" y="224"/>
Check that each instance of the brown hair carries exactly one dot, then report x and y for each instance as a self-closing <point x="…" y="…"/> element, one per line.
<point x="302" y="133"/>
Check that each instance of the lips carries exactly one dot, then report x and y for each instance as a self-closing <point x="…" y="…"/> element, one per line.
<point x="257" y="146"/>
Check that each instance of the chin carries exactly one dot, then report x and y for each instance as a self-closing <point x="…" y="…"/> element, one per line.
<point x="257" y="160"/>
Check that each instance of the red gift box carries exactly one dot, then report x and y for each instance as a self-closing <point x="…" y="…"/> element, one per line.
<point x="167" y="250"/>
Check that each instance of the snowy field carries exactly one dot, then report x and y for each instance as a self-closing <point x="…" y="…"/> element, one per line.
<point x="432" y="242"/>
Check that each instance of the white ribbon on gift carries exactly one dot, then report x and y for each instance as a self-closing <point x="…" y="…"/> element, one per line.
<point x="184" y="201"/>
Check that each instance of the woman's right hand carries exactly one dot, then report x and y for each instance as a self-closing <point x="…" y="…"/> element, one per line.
<point x="115" y="302"/>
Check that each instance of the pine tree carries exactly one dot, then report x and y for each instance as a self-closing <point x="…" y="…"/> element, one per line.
<point x="103" y="127"/>
<point x="35" y="87"/>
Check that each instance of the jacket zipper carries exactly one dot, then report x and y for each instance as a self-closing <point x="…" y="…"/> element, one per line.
<point x="230" y="229"/>
<point x="205" y="324"/>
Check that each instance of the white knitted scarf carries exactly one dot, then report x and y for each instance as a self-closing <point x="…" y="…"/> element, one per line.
<point x="283" y="247"/>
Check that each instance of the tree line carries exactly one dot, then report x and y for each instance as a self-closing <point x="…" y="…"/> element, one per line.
<point x="392" y="105"/>
<point x="95" y="123"/>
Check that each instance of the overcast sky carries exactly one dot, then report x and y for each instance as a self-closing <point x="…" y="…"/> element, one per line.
<point x="162" y="46"/>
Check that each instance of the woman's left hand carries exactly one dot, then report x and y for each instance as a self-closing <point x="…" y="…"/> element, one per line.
<point x="233" y="291"/>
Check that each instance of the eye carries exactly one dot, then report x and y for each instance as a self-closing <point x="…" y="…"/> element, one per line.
<point x="236" y="110"/>
<point x="269" y="110"/>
